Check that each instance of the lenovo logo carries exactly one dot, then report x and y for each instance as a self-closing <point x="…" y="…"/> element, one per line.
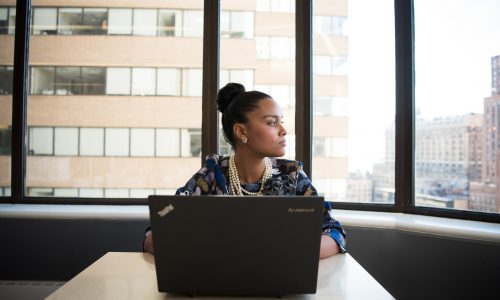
<point x="166" y="210"/>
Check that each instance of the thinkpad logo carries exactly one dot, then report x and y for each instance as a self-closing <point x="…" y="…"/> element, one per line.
<point x="166" y="210"/>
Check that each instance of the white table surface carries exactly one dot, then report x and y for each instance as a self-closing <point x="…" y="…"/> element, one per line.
<point x="131" y="275"/>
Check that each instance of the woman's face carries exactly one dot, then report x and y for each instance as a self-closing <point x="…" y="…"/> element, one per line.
<point x="264" y="129"/>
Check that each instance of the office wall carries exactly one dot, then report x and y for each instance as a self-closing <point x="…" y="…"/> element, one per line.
<point x="409" y="265"/>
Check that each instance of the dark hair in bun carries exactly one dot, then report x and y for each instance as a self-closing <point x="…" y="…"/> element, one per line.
<point x="234" y="103"/>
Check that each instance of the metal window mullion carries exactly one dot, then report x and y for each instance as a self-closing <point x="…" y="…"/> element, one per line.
<point x="303" y="84"/>
<point x="405" y="106"/>
<point x="20" y="100"/>
<point x="210" y="116"/>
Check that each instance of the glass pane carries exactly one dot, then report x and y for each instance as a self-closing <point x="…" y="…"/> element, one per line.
<point x="256" y="51"/>
<point x="458" y="105"/>
<point x="142" y="142"/>
<point x="66" y="141"/>
<point x="109" y="95"/>
<point x="354" y="100"/>
<point x="92" y="141"/>
<point x="70" y="21"/>
<point x="44" y="21"/>
<point x="7" y="21"/>
<point x="95" y="21"/>
<point x="169" y="22"/>
<point x="145" y="21"/>
<point x="120" y="21"/>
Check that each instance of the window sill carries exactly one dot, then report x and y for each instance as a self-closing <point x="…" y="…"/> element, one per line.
<point x="382" y="220"/>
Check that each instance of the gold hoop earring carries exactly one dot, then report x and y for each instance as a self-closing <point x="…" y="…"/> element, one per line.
<point x="244" y="139"/>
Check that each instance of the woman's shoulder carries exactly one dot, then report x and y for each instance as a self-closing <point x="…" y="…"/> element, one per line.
<point x="216" y="159"/>
<point x="286" y="166"/>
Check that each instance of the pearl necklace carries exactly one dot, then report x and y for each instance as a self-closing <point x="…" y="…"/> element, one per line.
<point x="235" y="180"/>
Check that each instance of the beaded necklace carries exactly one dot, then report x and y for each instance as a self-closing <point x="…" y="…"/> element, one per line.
<point x="235" y="180"/>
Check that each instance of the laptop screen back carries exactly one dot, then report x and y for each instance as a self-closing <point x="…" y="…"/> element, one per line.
<point x="229" y="245"/>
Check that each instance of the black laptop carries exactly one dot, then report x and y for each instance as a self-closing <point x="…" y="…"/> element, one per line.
<point x="236" y="246"/>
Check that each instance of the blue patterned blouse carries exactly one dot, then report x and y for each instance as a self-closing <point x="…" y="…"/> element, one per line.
<point x="288" y="178"/>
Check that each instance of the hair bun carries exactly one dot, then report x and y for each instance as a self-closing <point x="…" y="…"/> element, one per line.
<point x="227" y="94"/>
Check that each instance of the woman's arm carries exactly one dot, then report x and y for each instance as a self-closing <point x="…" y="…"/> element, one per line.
<point x="328" y="247"/>
<point x="147" y="245"/>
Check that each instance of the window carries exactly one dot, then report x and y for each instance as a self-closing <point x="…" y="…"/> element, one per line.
<point x="169" y="22"/>
<point x="330" y="25"/>
<point x="5" y="141"/>
<point x="465" y="137"/>
<point x="93" y="81"/>
<point x="118" y="81"/>
<point x="4" y="20"/>
<point x="68" y="81"/>
<point x="168" y="82"/>
<point x="192" y="80"/>
<point x="66" y="141"/>
<point x="41" y="141"/>
<point x="6" y="80"/>
<point x="167" y="142"/>
<point x="142" y="142"/>
<point x="120" y="21"/>
<point x="190" y="142"/>
<point x="42" y="80"/>
<point x="143" y="81"/>
<point x="91" y="141"/>
<point x="70" y="21"/>
<point x="45" y="21"/>
<point x="145" y="22"/>
<point x="353" y="110"/>
<point x="95" y="21"/>
<point x="117" y="141"/>
<point x="237" y="24"/>
<point x="193" y="23"/>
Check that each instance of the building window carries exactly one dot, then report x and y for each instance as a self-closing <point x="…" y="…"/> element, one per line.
<point x="68" y="81"/>
<point x="120" y="21"/>
<point x="5" y="141"/>
<point x="143" y="81"/>
<point x="6" y="80"/>
<point x="118" y="81"/>
<point x="66" y="141"/>
<point x="45" y="21"/>
<point x="117" y="141"/>
<point x="167" y="142"/>
<point x="142" y="142"/>
<point x="41" y="141"/>
<point x="330" y="25"/>
<point x="145" y="22"/>
<point x="42" y="80"/>
<point x="93" y="81"/>
<point x="169" y="22"/>
<point x="168" y="82"/>
<point x="192" y="80"/>
<point x="275" y="47"/>
<point x="95" y="21"/>
<point x="193" y="23"/>
<point x="70" y="21"/>
<point x="237" y="24"/>
<point x="190" y="142"/>
<point x="92" y="141"/>
<point x="331" y="106"/>
<point x="7" y="20"/>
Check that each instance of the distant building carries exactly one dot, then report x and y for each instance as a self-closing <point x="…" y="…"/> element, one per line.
<point x="359" y="188"/>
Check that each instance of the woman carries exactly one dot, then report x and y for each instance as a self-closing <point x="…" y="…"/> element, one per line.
<point x="253" y="126"/>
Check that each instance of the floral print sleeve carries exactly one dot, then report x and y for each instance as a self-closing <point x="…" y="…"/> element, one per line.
<point x="331" y="226"/>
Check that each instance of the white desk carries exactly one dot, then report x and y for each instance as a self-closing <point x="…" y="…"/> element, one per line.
<point x="119" y="275"/>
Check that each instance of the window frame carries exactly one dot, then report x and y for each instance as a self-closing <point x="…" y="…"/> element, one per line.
<point x="405" y="110"/>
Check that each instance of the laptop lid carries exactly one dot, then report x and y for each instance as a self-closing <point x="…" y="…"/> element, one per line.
<point x="236" y="246"/>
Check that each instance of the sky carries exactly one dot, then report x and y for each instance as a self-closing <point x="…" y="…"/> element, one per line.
<point x="454" y="43"/>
